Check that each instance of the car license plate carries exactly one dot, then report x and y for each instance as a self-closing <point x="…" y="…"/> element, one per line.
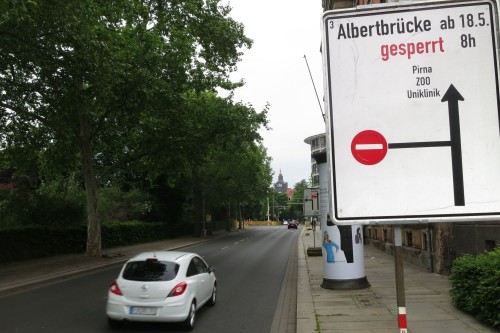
<point x="140" y="310"/>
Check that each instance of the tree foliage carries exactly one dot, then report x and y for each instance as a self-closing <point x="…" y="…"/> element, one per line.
<point x="297" y="207"/>
<point x="121" y="89"/>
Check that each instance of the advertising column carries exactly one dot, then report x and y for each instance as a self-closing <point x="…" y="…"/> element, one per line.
<point x="342" y="246"/>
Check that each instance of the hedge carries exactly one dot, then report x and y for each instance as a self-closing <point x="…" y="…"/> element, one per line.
<point x="475" y="286"/>
<point x="23" y="243"/>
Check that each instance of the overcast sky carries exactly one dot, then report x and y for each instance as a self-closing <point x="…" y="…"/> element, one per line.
<point x="275" y="71"/>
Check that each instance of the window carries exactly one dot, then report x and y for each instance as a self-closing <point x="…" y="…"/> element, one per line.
<point x="196" y="266"/>
<point x="489" y="245"/>
<point x="315" y="168"/>
<point x="150" y="271"/>
<point x="191" y="269"/>
<point x="409" y="239"/>
<point x="200" y="265"/>
<point x="424" y="240"/>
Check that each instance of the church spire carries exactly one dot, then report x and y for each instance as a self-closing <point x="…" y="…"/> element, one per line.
<point x="280" y="186"/>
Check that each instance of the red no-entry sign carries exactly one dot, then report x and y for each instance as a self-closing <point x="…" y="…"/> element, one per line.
<point x="369" y="147"/>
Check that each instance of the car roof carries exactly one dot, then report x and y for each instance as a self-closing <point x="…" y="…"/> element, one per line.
<point x="163" y="255"/>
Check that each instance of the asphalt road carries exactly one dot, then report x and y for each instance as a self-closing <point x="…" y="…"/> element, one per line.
<point x="254" y="283"/>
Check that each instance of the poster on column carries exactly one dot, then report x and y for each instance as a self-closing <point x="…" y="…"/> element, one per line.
<point x="413" y="102"/>
<point x="342" y="246"/>
<point x="343" y="251"/>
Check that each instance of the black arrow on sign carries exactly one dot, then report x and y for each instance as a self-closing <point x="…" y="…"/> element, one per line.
<point x="452" y="96"/>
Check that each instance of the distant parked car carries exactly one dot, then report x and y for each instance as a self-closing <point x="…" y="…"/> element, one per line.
<point x="162" y="286"/>
<point x="293" y="224"/>
<point x="285" y="222"/>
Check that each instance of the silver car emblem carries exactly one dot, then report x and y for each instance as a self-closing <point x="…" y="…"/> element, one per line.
<point x="144" y="288"/>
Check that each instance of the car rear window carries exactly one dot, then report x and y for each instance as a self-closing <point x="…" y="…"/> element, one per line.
<point x="150" y="271"/>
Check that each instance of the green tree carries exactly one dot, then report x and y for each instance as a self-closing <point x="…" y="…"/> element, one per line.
<point x="228" y="163"/>
<point x="15" y="9"/>
<point x="102" y="83"/>
<point x="279" y="203"/>
<point x="297" y="207"/>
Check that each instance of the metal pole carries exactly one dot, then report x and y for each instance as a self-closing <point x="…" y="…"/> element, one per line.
<point x="314" y="86"/>
<point x="400" y="280"/>
<point x="314" y="234"/>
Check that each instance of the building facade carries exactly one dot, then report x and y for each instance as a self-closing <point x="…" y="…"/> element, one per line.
<point x="318" y="146"/>
<point x="434" y="246"/>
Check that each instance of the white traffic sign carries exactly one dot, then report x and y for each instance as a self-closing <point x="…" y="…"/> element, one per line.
<point x="413" y="112"/>
<point x="311" y="202"/>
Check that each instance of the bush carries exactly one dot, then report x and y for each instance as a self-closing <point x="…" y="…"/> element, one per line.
<point x="56" y="211"/>
<point x="59" y="203"/>
<point x="120" y="205"/>
<point x="14" y="208"/>
<point x="475" y="286"/>
<point x="132" y="232"/>
<point x="30" y="242"/>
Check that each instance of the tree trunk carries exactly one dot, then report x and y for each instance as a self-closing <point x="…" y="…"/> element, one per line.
<point x="93" y="220"/>
<point x="228" y="225"/>
<point x="240" y="222"/>
<point x="197" y="206"/>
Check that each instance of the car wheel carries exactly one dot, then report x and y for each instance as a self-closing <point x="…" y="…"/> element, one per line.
<point x="188" y="324"/>
<point x="213" y="299"/>
<point x="112" y="323"/>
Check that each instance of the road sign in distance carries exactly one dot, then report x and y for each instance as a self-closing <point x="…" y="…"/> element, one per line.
<point x="311" y="202"/>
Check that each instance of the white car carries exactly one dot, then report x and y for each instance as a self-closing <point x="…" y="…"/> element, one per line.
<point x="162" y="286"/>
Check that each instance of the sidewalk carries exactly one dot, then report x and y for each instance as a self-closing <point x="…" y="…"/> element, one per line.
<point x="374" y="310"/>
<point x="19" y="275"/>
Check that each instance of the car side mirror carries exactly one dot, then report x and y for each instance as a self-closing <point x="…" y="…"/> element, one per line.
<point x="211" y="269"/>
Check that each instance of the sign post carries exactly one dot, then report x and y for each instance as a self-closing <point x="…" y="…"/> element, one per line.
<point x="400" y="280"/>
<point x="312" y="208"/>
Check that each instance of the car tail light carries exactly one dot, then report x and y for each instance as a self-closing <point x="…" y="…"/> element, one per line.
<point x="115" y="289"/>
<point x="178" y="290"/>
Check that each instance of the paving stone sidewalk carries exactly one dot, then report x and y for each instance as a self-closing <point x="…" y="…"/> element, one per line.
<point x="374" y="310"/>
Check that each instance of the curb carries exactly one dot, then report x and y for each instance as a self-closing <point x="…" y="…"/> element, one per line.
<point x="306" y="316"/>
